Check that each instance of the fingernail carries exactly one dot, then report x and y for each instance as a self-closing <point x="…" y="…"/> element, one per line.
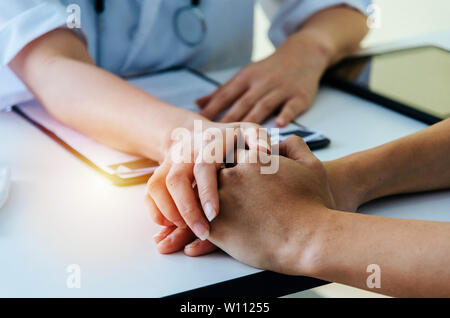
<point x="263" y="146"/>
<point x="193" y="244"/>
<point x="157" y="237"/>
<point x="201" y="230"/>
<point x="280" y="122"/>
<point x="164" y="242"/>
<point x="210" y="212"/>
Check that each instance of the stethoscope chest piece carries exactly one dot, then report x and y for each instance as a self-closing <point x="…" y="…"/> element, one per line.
<point x="190" y="25"/>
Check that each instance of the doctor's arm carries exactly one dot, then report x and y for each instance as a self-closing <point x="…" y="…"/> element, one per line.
<point x="293" y="221"/>
<point x="58" y="70"/>
<point x="289" y="78"/>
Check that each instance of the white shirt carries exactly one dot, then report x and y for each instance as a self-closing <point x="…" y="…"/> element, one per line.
<point x="135" y="36"/>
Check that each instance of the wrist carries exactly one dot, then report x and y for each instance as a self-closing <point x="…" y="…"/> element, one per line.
<point x="347" y="182"/>
<point x="305" y="254"/>
<point x="315" y="43"/>
<point x="188" y="123"/>
<point x="359" y="178"/>
<point x="303" y="44"/>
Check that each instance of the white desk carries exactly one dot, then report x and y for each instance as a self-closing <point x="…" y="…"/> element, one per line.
<point x="62" y="212"/>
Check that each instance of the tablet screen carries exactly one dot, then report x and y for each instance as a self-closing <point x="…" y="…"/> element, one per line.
<point x="418" y="77"/>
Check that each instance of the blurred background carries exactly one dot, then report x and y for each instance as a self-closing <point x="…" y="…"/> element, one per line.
<point x="400" y="20"/>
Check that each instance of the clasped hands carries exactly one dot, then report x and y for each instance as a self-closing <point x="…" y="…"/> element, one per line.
<point x="265" y="220"/>
<point x="208" y="211"/>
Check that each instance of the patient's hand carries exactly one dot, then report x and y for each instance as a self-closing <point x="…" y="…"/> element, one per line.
<point x="259" y="214"/>
<point x="271" y="221"/>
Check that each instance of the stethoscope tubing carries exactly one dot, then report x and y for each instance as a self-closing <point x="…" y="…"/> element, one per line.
<point x="99" y="6"/>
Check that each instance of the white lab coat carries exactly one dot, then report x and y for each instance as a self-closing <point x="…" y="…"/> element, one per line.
<point x="135" y="36"/>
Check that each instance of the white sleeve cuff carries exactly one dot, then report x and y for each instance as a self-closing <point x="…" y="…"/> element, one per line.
<point x="28" y="25"/>
<point x="293" y="13"/>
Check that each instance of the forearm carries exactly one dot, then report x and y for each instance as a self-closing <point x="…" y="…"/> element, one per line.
<point x="413" y="256"/>
<point x="335" y="32"/>
<point x="419" y="162"/>
<point x="58" y="70"/>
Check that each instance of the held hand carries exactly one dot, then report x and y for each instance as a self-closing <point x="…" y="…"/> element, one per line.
<point x="182" y="194"/>
<point x="271" y="221"/>
<point x="288" y="79"/>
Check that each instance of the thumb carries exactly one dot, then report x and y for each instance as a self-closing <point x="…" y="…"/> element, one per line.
<point x="295" y="148"/>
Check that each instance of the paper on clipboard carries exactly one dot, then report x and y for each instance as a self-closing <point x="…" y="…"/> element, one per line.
<point x="177" y="87"/>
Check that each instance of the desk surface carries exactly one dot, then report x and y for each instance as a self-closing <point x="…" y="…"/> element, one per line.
<point x="61" y="212"/>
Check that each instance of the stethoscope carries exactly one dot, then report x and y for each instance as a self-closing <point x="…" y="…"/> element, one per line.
<point x="189" y="22"/>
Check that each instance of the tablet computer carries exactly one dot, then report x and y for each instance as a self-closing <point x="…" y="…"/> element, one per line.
<point x="415" y="81"/>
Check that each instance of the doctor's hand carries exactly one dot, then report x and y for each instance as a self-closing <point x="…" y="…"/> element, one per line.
<point x="287" y="80"/>
<point x="271" y="221"/>
<point x="182" y="194"/>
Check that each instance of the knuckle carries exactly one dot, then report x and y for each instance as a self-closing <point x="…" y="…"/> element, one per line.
<point x="244" y="74"/>
<point x="154" y="184"/>
<point x="219" y="98"/>
<point x="188" y="212"/>
<point x="271" y="78"/>
<point x="223" y="96"/>
<point x="264" y="106"/>
<point x="295" y="140"/>
<point x="302" y="96"/>
<point x="228" y="174"/>
<point x="156" y="217"/>
<point x="173" y="178"/>
<point x="313" y="163"/>
<point x="246" y="170"/>
<point x="245" y="101"/>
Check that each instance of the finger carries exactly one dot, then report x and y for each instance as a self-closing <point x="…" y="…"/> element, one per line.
<point x="245" y="157"/>
<point x="224" y="97"/>
<point x="265" y="107"/>
<point x="161" y="197"/>
<point x="204" y="100"/>
<point x="199" y="247"/>
<point x="155" y="213"/>
<point x="161" y="235"/>
<point x="206" y="177"/>
<point x="179" y="183"/>
<point x="236" y="112"/>
<point x="256" y="137"/>
<point x="175" y="241"/>
<point x="294" y="148"/>
<point x="290" y="111"/>
<point x="244" y="104"/>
